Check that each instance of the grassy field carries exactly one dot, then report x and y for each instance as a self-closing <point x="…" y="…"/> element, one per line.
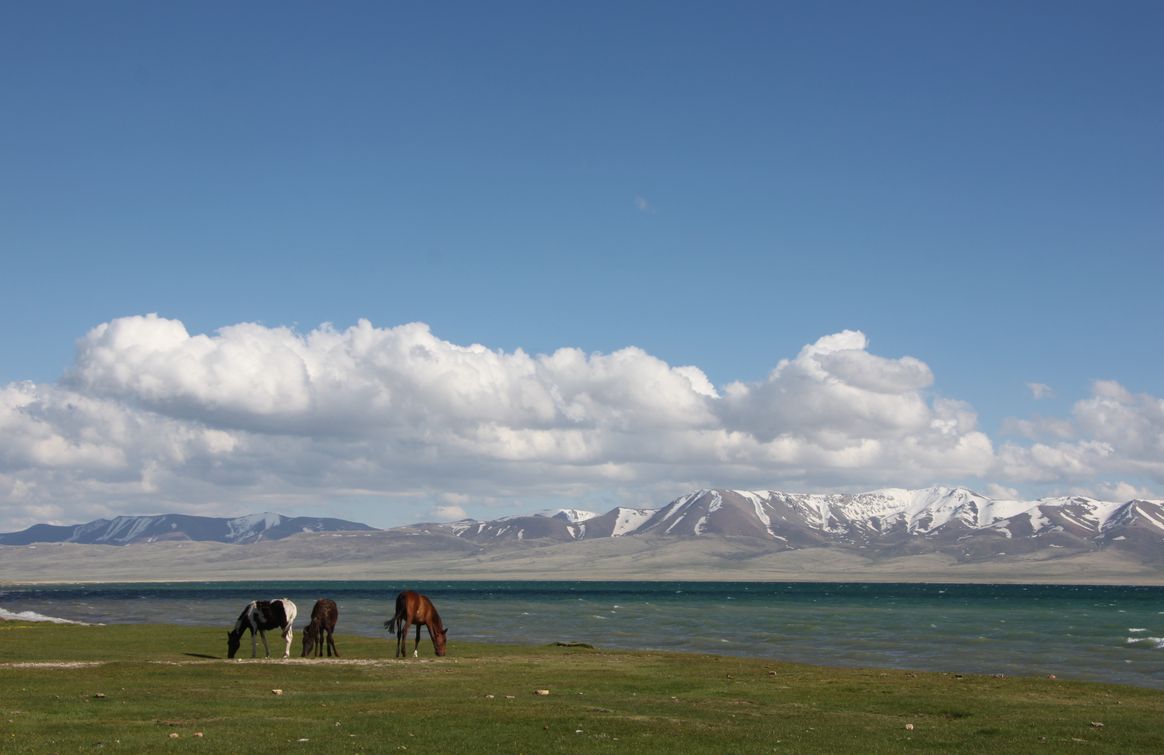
<point x="138" y="688"/>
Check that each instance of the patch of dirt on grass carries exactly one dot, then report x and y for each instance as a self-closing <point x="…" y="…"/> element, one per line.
<point x="53" y="664"/>
<point x="292" y="661"/>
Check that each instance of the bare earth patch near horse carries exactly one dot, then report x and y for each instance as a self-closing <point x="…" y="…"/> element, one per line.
<point x="139" y="688"/>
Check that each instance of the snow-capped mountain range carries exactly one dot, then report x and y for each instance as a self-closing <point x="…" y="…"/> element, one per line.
<point x="881" y="523"/>
<point x="888" y="522"/>
<point x="124" y="530"/>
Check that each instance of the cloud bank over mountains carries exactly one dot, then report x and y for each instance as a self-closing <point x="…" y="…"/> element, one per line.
<point x="151" y="418"/>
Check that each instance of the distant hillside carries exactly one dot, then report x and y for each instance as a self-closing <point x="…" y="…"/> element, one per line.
<point x="125" y="530"/>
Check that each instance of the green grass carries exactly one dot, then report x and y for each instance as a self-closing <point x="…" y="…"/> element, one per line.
<point x="150" y="682"/>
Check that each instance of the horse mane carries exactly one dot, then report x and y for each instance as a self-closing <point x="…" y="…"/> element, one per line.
<point x="241" y="624"/>
<point x="436" y="617"/>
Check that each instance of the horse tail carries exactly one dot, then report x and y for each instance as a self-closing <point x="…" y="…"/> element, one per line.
<point x="390" y="625"/>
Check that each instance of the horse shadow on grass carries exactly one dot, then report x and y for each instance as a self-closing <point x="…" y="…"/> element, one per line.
<point x="201" y="655"/>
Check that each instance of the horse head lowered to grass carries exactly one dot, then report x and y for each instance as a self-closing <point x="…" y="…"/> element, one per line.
<point x="259" y="616"/>
<point x="412" y="608"/>
<point x="324" y="615"/>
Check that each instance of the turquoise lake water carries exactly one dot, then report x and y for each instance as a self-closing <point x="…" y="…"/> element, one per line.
<point x="1098" y="633"/>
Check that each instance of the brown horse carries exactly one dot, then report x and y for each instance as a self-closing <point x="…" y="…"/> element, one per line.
<point x="414" y="608"/>
<point x="324" y="616"/>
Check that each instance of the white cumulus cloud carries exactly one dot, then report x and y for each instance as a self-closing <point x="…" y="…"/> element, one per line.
<point x="1113" y="432"/>
<point x="152" y="418"/>
<point x="449" y="513"/>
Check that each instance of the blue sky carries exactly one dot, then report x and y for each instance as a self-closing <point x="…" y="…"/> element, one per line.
<point x="977" y="187"/>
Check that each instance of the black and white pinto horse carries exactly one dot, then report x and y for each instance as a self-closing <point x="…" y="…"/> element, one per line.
<point x="259" y="616"/>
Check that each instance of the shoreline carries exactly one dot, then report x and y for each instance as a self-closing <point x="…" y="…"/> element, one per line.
<point x="910" y="670"/>
<point x="460" y="579"/>
<point x="339" y="558"/>
<point x="1104" y="632"/>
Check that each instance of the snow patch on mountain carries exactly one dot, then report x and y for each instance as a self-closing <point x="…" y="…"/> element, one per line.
<point x="573" y="516"/>
<point x="627" y="521"/>
<point x="714" y="505"/>
<point x="243" y="526"/>
<point x="757" y="500"/>
<point x="1155" y="520"/>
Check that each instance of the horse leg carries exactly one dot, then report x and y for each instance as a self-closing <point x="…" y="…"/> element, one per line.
<point x="401" y="624"/>
<point x="416" y="645"/>
<point x="255" y="645"/>
<point x="288" y="634"/>
<point x="331" y="648"/>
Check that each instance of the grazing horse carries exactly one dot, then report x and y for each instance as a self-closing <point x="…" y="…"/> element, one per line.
<point x="414" y="608"/>
<point x="259" y="616"/>
<point x="324" y="615"/>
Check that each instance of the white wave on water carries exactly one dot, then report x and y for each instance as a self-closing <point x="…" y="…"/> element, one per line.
<point x="34" y="616"/>
<point x="1156" y="643"/>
